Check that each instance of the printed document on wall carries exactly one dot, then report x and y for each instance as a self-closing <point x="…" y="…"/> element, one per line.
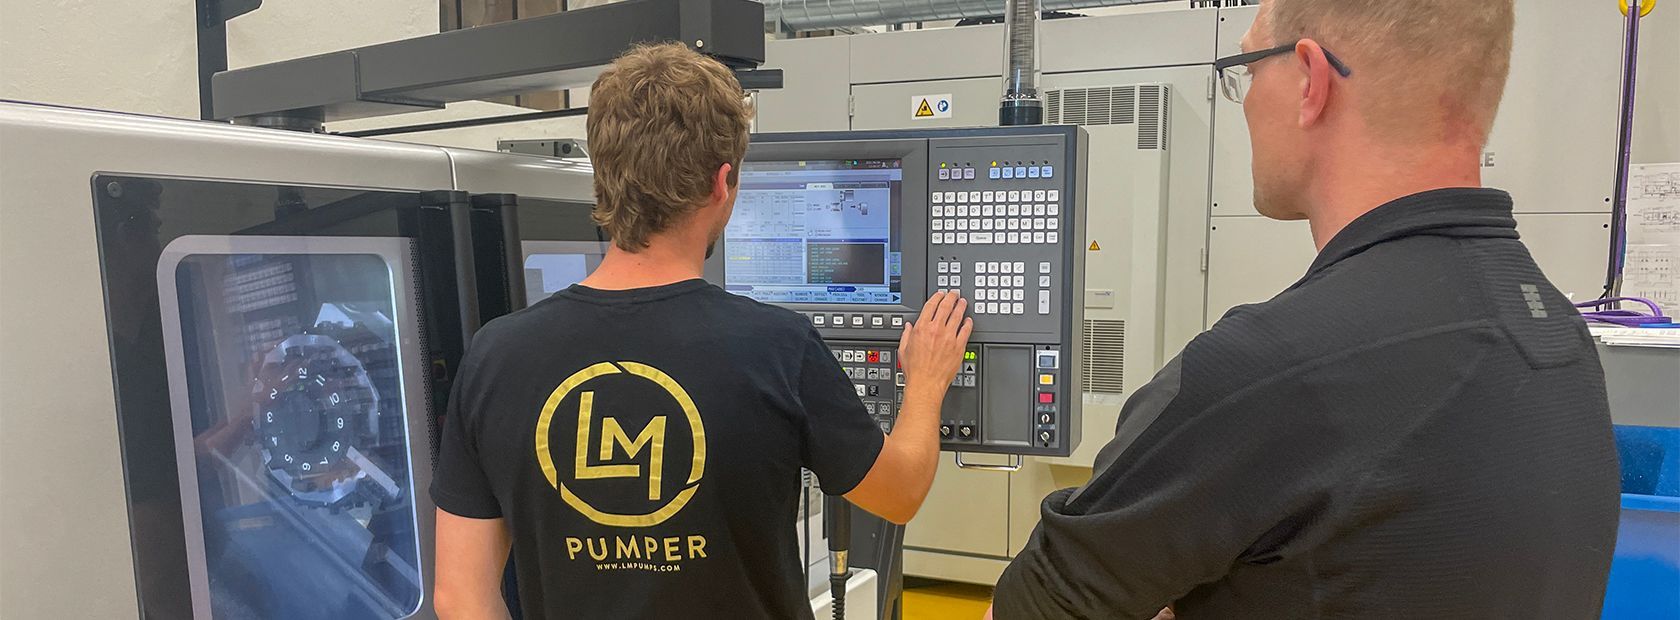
<point x="1653" y="251"/>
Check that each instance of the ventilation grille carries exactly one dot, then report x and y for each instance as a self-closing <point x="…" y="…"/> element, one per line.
<point x="1105" y="355"/>
<point x="1146" y="106"/>
<point x="1152" y="126"/>
<point x="1103" y="105"/>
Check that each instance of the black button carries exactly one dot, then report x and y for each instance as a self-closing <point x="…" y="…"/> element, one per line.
<point x="874" y="390"/>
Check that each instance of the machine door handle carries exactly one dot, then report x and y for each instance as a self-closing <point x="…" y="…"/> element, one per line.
<point x="1013" y="466"/>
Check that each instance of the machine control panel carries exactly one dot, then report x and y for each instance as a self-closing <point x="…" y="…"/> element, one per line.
<point x="856" y="230"/>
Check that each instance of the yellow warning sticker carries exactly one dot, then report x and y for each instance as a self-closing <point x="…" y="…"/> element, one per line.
<point x="929" y="107"/>
<point x="1095" y="247"/>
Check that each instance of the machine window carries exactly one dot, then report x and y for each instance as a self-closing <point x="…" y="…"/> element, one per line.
<point x="299" y="435"/>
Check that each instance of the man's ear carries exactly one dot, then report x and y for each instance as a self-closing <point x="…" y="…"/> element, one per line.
<point x="1316" y="85"/>
<point x="721" y="184"/>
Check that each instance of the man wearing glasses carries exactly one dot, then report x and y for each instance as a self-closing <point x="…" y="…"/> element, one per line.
<point x="1416" y="429"/>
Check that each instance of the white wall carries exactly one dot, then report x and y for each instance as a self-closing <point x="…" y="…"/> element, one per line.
<point x="142" y="57"/>
<point x="1656" y="112"/>
<point x="114" y="55"/>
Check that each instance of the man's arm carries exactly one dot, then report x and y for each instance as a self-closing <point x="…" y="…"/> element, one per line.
<point x="931" y="351"/>
<point x="1160" y="514"/>
<point x="1217" y="463"/>
<point x="471" y="555"/>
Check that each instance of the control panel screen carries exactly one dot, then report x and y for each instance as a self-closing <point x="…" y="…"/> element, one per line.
<point x="821" y="231"/>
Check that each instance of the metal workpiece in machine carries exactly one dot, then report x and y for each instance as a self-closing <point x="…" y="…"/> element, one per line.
<point x="856" y="230"/>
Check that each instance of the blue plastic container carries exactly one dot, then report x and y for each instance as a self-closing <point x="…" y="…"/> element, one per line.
<point x="1645" y="576"/>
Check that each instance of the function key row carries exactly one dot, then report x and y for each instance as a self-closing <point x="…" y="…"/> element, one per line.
<point x="1031" y="195"/>
<point x="1021" y="172"/>
<point x="952" y="282"/>
<point x="990" y="210"/>
<point x="999" y="307"/>
<point x="857" y="321"/>
<point x="991" y="267"/>
<point x="996" y="281"/>
<point x="991" y="238"/>
<point x="999" y="294"/>
<point x="996" y="172"/>
<point x="864" y="356"/>
<point x="998" y="223"/>
<point x="956" y="174"/>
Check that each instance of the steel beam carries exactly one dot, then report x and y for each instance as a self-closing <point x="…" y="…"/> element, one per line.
<point x="552" y="52"/>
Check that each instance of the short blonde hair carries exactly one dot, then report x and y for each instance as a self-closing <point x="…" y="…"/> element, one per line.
<point x="1436" y="66"/>
<point x="662" y="119"/>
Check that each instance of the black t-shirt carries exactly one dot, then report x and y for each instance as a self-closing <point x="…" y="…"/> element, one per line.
<point x="645" y="446"/>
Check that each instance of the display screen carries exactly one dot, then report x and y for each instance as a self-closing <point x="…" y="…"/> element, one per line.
<point x="817" y="232"/>
<point x="300" y="435"/>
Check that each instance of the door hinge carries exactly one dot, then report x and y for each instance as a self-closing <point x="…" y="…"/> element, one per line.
<point x="1204" y="260"/>
<point x="851" y="106"/>
<point x="1212" y="83"/>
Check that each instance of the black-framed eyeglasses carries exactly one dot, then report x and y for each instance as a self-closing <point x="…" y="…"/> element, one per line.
<point x="1235" y="78"/>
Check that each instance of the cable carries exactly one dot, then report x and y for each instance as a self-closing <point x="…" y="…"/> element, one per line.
<point x="1624" y="141"/>
<point x="837" y="518"/>
<point x="805" y="501"/>
<point x="1624" y="318"/>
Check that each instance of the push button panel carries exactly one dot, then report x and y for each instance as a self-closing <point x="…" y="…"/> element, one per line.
<point x="876" y="377"/>
<point x="975" y="416"/>
<point x="1048" y="407"/>
<point x="1010" y="231"/>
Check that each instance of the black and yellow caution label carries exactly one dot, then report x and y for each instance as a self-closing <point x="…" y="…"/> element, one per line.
<point x="1095" y="247"/>
<point x="924" y="110"/>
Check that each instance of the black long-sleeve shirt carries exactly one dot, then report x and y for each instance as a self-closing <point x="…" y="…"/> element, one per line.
<point x="1416" y="429"/>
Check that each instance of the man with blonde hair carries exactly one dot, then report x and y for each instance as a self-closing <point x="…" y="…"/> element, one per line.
<point x="636" y="440"/>
<point x="1416" y="429"/>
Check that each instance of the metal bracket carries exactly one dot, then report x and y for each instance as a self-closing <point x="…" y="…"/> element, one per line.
<point x="759" y="79"/>
<point x="225" y="10"/>
<point x="550" y="52"/>
<point x="1014" y="465"/>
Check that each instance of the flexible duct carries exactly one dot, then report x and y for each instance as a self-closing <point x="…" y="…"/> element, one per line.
<point x="1021" y="104"/>
<point x="819" y="14"/>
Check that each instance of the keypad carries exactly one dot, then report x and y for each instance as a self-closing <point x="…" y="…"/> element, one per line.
<point x="988" y="217"/>
<point x="876" y="379"/>
<point x="1026" y="211"/>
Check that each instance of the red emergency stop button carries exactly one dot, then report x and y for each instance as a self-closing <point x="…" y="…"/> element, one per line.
<point x="1045" y="398"/>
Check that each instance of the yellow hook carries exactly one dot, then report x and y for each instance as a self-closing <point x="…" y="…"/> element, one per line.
<point x="1645" y="7"/>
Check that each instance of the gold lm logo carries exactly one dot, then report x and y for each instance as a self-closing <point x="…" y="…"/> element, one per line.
<point x="613" y="435"/>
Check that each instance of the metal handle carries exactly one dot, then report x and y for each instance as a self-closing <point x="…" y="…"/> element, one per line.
<point x="515" y="256"/>
<point x="466" y="269"/>
<point x="1014" y="465"/>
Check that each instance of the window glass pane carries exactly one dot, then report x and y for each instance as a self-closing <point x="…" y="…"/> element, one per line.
<point x="298" y="423"/>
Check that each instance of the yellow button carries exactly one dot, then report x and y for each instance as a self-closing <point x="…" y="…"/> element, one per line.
<point x="1046" y="379"/>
